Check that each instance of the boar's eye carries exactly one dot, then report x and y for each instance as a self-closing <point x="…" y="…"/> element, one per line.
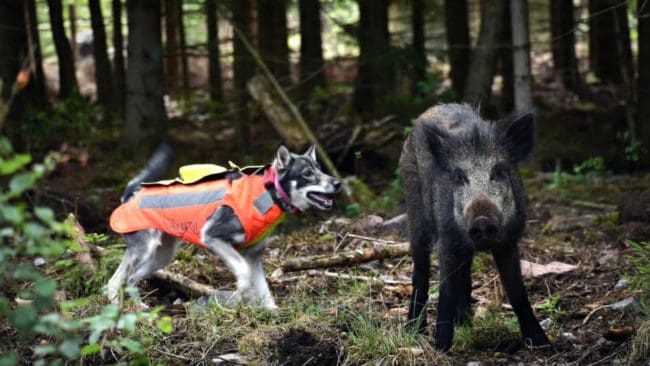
<point x="458" y="177"/>
<point x="499" y="173"/>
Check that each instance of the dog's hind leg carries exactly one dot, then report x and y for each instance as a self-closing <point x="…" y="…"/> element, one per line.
<point x="146" y="253"/>
<point x="258" y="278"/>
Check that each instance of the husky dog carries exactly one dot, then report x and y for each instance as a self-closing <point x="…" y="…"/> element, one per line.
<point x="229" y="217"/>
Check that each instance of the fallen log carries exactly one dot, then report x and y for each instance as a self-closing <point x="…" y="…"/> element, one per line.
<point x="346" y="258"/>
<point x="83" y="256"/>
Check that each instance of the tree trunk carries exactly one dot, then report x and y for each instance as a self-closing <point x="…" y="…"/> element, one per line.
<point x="505" y="62"/>
<point x="272" y="35"/>
<point x="37" y="84"/>
<point x="643" y="81"/>
<point x="214" y="54"/>
<point x="13" y="51"/>
<point x="119" y="76"/>
<point x="484" y="56"/>
<point x="102" y="64"/>
<point x="146" y="120"/>
<point x="72" y="19"/>
<point x="312" y="66"/>
<point x="457" y="29"/>
<point x="375" y="77"/>
<point x="171" y="46"/>
<point x="419" y="51"/>
<point x="603" y="39"/>
<point x="183" y="46"/>
<point x="521" y="55"/>
<point x="563" y="40"/>
<point x="243" y="67"/>
<point x="67" y="78"/>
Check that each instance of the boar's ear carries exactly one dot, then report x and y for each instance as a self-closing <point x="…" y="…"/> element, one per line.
<point x="436" y="138"/>
<point x="518" y="136"/>
<point x="282" y="159"/>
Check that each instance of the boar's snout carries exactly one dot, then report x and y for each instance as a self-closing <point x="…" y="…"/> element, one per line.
<point x="484" y="219"/>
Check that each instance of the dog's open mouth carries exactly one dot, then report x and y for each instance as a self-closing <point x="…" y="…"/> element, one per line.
<point x="322" y="200"/>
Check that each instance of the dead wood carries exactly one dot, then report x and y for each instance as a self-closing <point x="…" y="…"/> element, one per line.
<point x="276" y="112"/>
<point x="184" y="284"/>
<point x="346" y="258"/>
<point x="83" y="256"/>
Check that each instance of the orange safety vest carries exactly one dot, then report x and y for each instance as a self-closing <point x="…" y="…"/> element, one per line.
<point x="181" y="210"/>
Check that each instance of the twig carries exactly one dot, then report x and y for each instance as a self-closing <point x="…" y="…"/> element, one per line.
<point x="345" y="258"/>
<point x="83" y="257"/>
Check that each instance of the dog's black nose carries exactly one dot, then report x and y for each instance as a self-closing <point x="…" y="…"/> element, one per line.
<point x="337" y="185"/>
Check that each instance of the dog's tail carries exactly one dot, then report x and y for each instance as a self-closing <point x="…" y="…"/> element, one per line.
<point x="154" y="170"/>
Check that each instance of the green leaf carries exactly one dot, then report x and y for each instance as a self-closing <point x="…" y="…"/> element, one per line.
<point x="24" y="318"/>
<point x="35" y="231"/>
<point x="70" y="348"/>
<point x="133" y="346"/>
<point x="11" y="214"/>
<point x="9" y="359"/>
<point x="43" y="350"/>
<point x="14" y="164"/>
<point x="127" y="322"/>
<point x="90" y="349"/>
<point x="45" y="214"/>
<point x="165" y="324"/>
<point x="20" y="183"/>
<point x="45" y="288"/>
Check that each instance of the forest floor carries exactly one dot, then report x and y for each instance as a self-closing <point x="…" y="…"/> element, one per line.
<point x="355" y="315"/>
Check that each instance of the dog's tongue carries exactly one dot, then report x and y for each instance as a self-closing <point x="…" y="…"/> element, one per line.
<point x="324" y="200"/>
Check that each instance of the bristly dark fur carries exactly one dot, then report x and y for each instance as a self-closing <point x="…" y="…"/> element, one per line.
<point x="462" y="190"/>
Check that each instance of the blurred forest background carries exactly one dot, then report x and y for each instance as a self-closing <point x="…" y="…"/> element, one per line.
<point x="89" y="88"/>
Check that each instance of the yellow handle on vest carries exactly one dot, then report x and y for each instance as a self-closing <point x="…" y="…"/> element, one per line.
<point x="194" y="172"/>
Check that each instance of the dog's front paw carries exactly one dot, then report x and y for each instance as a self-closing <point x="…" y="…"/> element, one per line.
<point x="270" y="306"/>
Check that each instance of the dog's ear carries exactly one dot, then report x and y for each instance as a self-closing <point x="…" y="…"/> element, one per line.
<point x="282" y="158"/>
<point x="311" y="152"/>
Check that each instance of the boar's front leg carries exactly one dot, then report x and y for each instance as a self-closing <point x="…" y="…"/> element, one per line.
<point x="454" y="306"/>
<point x="507" y="261"/>
<point x="421" y="247"/>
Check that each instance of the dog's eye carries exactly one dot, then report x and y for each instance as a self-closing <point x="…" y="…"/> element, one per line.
<point x="308" y="174"/>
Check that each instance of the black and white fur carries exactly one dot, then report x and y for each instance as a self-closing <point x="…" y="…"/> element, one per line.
<point x="149" y="250"/>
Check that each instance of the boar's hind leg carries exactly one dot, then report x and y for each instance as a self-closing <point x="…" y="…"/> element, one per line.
<point x="507" y="261"/>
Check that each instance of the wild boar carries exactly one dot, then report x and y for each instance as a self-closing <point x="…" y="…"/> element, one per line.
<point x="463" y="192"/>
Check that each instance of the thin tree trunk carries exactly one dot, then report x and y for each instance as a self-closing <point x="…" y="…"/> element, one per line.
<point x="272" y="35"/>
<point x="643" y="81"/>
<point x="483" y="61"/>
<point x="146" y="120"/>
<point x="13" y="51"/>
<point x="72" y="17"/>
<point x="183" y="47"/>
<point x="214" y="54"/>
<point x="243" y="67"/>
<point x="102" y="64"/>
<point x="171" y="46"/>
<point x="521" y="55"/>
<point x="38" y="79"/>
<point x="419" y="51"/>
<point x="375" y="77"/>
<point x="312" y="66"/>
<point x="457" y="29"/>
<point x="563" y="40"/>
<point x="603" y="40"/>
<point x="505" y="62"/>
<point x="119" y="70"/>
<point x="67" y="78"/>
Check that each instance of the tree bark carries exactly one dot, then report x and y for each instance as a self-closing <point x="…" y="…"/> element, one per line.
<point x="484" y="56"/>
<point x="214" y="53"/>
<point x="67" y="77"/>
<point x="312" y="66"/>
<point x="183" y="46"/>
<point x="603" y="39"/>
<point x="419" y="51"/>
<point x="146" y="120"/>
<point x="457" y="29"/>
<point x="521" y="55"/>
<point x="345" y="259"/>
<point x="565" y="62"/>
<point x="38" y="78"/>
<point x="272" y="35"/>
<point x="171" y="46"/>
<point x="505" y="62"/>
<point x="643" y="78"/>
<point x="102" y="64"/>
<point x="13" y="50"/>
<point x="375" y="75"/>
<point x="119" y="70"/>
<point x="243" y="67"/>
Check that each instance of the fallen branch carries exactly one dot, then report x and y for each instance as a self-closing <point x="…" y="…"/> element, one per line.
<point x="345" y="258"/>
<point x="185" y="284"/>
<point x="83" y="256"/>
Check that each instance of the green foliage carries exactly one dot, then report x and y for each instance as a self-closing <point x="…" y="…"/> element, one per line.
<point x="27" y="232"/>
<point x="71" y="119"/>
<point x="491" y="332"/>
<point x="633" y="148"/>
<point x="587" y="171"/>
<point x="640" y="262"/>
